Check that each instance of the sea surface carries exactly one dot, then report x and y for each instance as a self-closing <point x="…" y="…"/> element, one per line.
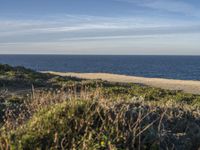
<point x="173" y="67"/>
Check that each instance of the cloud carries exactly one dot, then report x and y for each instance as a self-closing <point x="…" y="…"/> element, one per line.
<point x="75" y="26"/>
<point x="168" y="44"/>
<point x="94" y="32"/>
<point x="134" y="27"/>
<point x="174" y="6"/>
<point x="81" y="34"/>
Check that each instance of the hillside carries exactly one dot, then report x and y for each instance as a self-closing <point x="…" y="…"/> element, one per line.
<point x="45" y="111"/>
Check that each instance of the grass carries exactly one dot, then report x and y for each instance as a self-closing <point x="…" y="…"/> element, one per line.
<point x="92" y="114"/>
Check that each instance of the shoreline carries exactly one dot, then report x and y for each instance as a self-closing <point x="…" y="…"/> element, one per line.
<point x="187" y="86"/>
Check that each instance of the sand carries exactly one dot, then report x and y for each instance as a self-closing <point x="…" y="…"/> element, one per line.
<point x="187" y="86"/>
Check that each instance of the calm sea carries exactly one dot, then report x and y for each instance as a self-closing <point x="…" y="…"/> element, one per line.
<point x="174" y="67"/>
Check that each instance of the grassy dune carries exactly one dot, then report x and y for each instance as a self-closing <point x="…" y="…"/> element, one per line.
<point x="44" y="111"/>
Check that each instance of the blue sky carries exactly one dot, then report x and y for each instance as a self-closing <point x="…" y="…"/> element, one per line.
<point x="160" y="27"/>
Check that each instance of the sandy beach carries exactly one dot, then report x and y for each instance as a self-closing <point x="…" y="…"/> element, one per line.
<point x="187" y="86"/>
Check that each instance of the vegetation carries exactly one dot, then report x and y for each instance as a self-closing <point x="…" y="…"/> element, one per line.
<point x="53" y="112"/>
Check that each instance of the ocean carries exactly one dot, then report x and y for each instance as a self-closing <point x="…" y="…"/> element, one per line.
<point x="171" y="67"/>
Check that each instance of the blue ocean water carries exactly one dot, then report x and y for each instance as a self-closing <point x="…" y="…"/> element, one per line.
<point x="174" y="67"/>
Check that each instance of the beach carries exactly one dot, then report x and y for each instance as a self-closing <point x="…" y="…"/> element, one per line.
<point x="187" y="86"/>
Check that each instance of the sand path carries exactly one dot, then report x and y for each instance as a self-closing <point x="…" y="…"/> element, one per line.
<point x="187" y="86"/>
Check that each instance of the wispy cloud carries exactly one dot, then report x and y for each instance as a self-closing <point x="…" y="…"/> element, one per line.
<point x="82" y="33"/>
<point x="177" y="6"/>
<point x="168" y="44"/>
<point x="89" y="26"/>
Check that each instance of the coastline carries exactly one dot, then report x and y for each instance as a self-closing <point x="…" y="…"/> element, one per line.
<point x="187" y="86"/>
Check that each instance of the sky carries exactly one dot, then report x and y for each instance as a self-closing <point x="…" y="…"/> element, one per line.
<point x="104" y="27"/>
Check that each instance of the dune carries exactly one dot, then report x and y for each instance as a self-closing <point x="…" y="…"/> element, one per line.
<point x="187" y="86"/>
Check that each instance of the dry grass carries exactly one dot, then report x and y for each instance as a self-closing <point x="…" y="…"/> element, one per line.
<point x="91" y="119"/>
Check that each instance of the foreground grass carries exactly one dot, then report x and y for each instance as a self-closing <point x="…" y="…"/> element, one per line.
<point x="86" y="114"/>
<point x="92" y="122"/>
